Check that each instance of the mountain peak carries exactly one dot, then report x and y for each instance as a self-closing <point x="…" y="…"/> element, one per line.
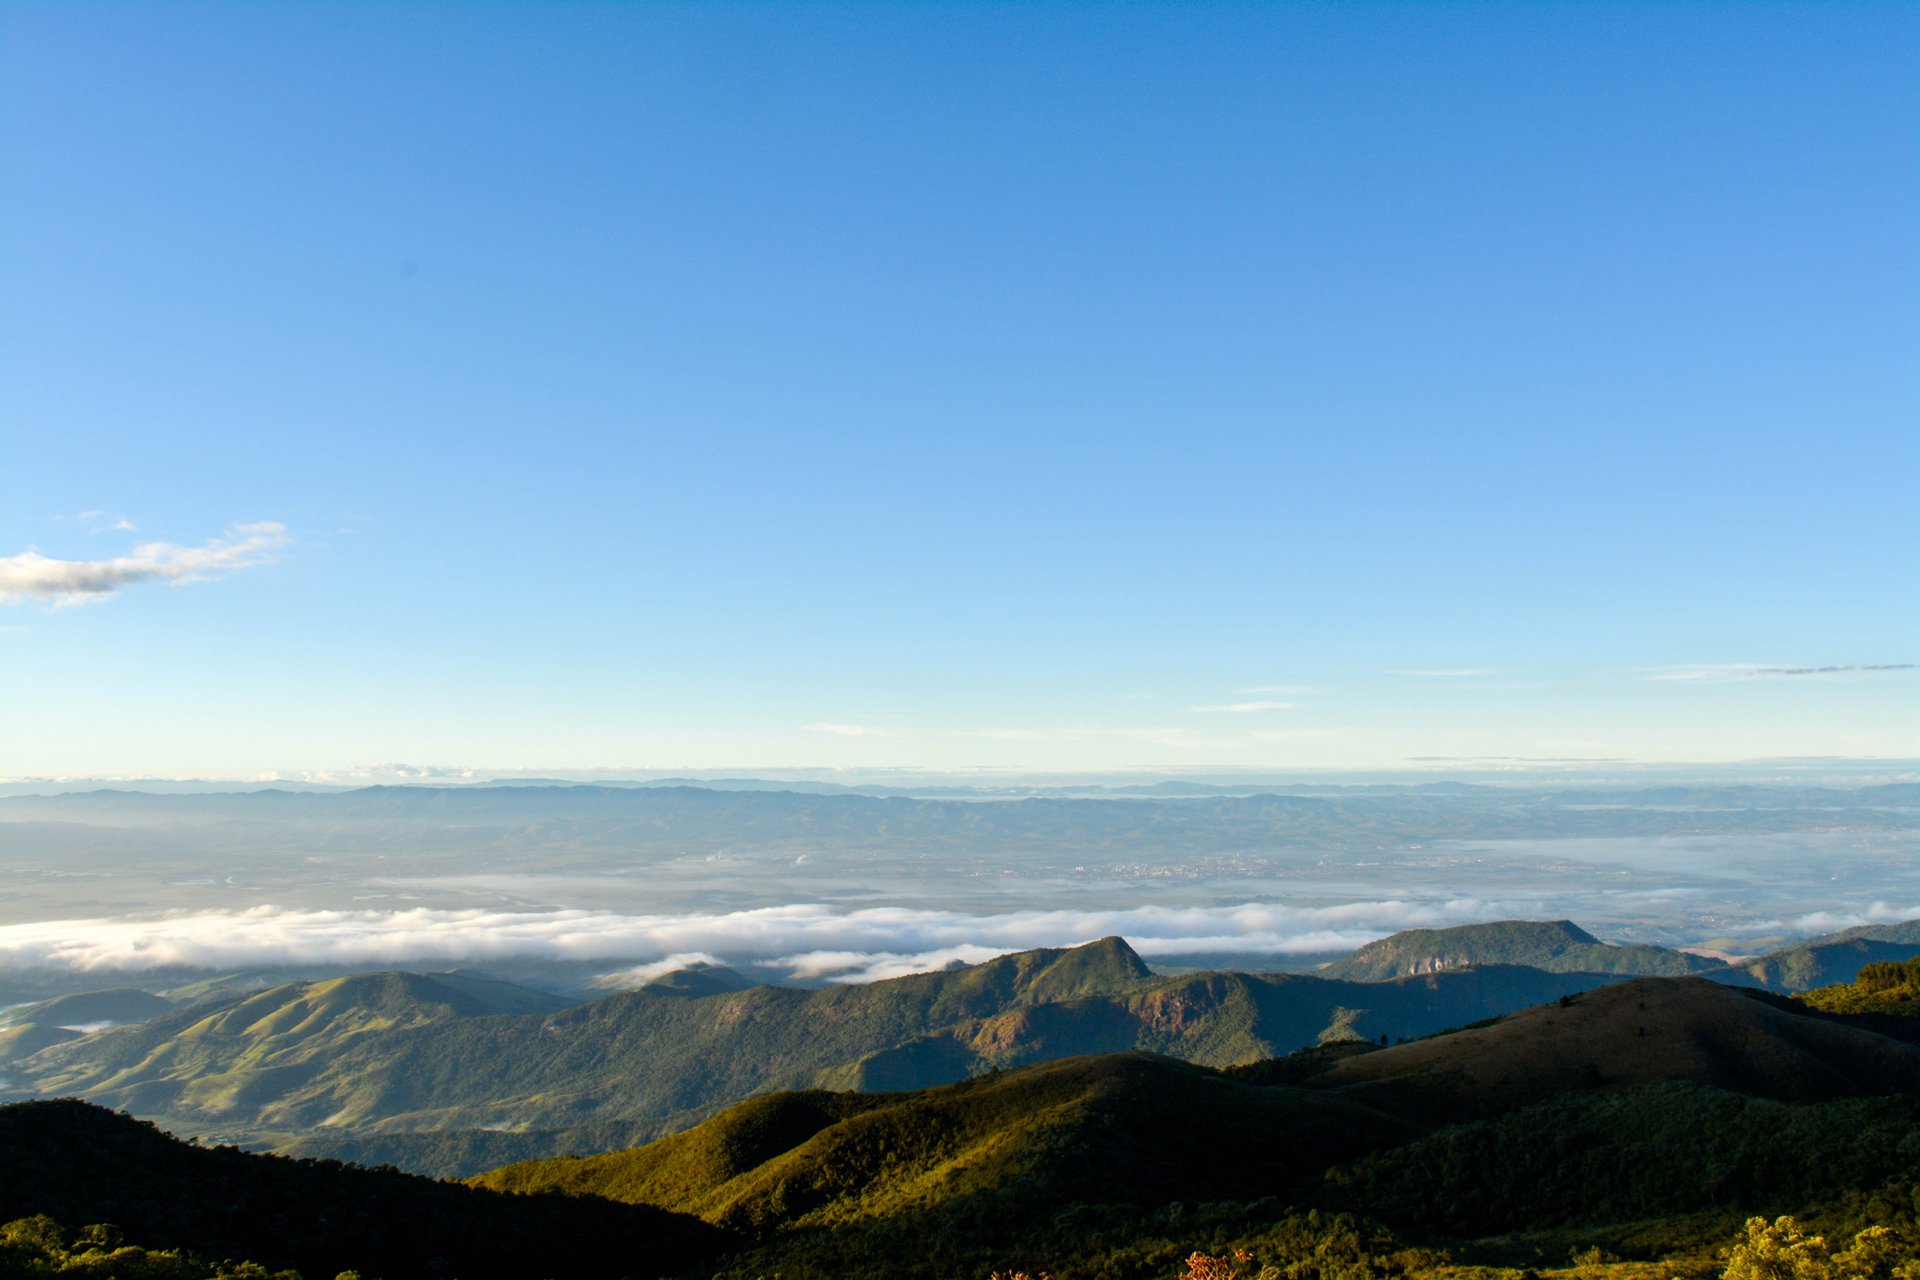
<point x="1101" y="967"/>
<point x="1560" y="946"/>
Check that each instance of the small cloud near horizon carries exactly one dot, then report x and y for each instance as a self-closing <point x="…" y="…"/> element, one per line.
<point x="61" y="583"/>
<point x="1246" y="708"/>
<point x="1721" y="671"/>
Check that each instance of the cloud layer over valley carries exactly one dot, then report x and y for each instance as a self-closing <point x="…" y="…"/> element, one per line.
<point x="808" y="941"/>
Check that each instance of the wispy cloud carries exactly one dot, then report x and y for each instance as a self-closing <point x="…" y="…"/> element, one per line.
<point x="1521" y="759"/>
<point x="1281" y="689"/>
<point x="102" y="522"/>
<point x="1720" y="671"/>
<point x="1874" y="913"/>
<point x="1447" y="673"/>
<point x="1161" y="735"/>
<point x="807" y="940"/>
<point x="1247" y="708"/>
<point x="848" y="730"/>
<point x="32" y="576"/>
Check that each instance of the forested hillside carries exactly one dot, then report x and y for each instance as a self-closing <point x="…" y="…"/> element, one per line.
<point x="79" y="1165"/>
<point x="423" y="1071"/>
<point x="1562" y="1123"/>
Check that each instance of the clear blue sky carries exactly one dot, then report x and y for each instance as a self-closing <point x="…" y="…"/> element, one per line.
<point x="936" y="385"/>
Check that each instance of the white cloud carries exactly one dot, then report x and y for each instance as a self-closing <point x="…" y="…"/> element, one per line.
<point x="32" y="576"/>
<point x="1248" y="708"/>
<point x="101" y="522"/>
<point x="1721" y="671"/>
<point x="1708" y="671"/>
<point x="807" y="940"/>
<point x="1875" y="913"/>
<point x="847" y="730"/>
<point x="641" y="974"/>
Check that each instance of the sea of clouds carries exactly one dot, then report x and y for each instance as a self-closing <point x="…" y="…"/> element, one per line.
<point x="807" y="940"/>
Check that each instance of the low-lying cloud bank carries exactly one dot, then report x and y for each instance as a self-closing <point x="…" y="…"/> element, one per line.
<point x="807" y="940"/>
<point x="1835" y="921"/>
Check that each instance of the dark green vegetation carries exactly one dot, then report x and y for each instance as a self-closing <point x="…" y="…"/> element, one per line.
<point x="39" y="1247"/>
<point x="1558" y="946"/>
<point x="446" y="1075"/>
<point x="78" y="1164"/>
<point x="1648" y="1118"/>
<point x="1890" y="989"/>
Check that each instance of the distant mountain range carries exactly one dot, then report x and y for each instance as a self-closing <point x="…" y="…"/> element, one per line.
<point x="691" y="816"/>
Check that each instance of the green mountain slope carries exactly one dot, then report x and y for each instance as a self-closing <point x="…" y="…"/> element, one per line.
<point x="29" y="1038"/>
<point x="1559" y="946"/>
<point x="1550" y="1118"/>
<point x="394" y="1069"/>
<point x="222" y="1060"/>
<point x="79" y="1164"/>
<point x="1829" y="960"/>
<point x="28" y="1029"/>
<point x="1128" y="1127"/>
<point x="441" y="1051"/>
<point x="122" y="1004"/>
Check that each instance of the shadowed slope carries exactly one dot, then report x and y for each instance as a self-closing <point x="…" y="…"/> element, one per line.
<point x="80" y="1164"/>
<point x="1640" y="1032"/>
<point x="1132" y="1128"/>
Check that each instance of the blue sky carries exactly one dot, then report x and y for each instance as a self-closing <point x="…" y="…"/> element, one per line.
<point x="1068" y="386"/>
